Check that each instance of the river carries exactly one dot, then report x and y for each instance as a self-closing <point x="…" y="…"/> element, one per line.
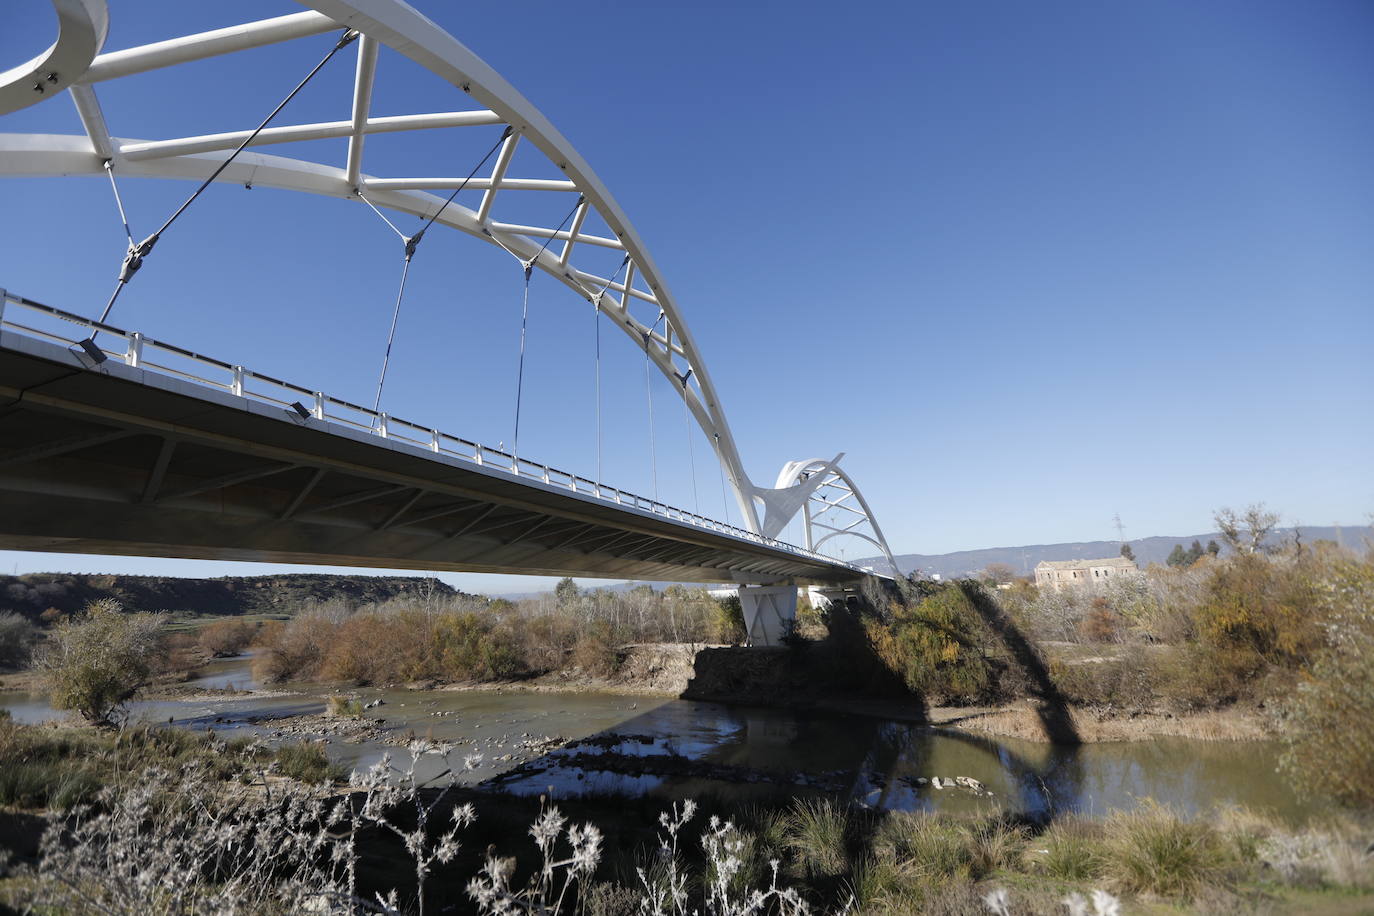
<point x="672" y="748"/>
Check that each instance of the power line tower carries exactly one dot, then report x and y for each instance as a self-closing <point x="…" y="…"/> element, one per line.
<point x="1120" y="529"/>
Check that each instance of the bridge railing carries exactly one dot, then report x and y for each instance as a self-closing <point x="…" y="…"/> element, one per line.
<point x="34" y="319"/>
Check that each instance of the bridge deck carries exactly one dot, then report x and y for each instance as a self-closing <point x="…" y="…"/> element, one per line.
<point x="110" y="458"/>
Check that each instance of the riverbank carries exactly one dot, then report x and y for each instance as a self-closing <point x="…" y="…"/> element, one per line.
<point x="733" y="676"/>
<point x="827" y="849"/>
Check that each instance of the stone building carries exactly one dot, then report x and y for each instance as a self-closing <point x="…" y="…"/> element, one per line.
<point x="1061" y="574"/>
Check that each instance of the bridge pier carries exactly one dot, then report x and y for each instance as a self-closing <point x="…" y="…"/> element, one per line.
<point x="770" y="612"/>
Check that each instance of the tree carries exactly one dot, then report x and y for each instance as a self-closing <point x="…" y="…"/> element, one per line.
<point x="1213" y="548"/>
<point x="96" y="662"/>
<point x="1127" y="552"/>
<point x="566" y="593"/>
<point x="999" y="573"/>
<point x="16" y="640"/>
<point x="1178" y="557"/>
<point x="1193" y="554"/>
<point x="1246" y="533"/>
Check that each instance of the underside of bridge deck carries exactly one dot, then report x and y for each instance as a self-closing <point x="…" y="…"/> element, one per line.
<point x="110" y="459"/>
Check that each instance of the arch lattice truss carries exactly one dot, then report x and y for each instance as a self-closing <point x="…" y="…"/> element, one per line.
<point x="637" y="300"/>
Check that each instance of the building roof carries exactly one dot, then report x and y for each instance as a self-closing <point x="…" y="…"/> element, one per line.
<point x="1119" y="562"/>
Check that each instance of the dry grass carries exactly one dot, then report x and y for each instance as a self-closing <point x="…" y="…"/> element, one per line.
<point x="1021" y="721"/>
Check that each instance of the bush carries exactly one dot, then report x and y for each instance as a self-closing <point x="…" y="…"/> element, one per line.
<point x="816" y="834"/>
<point x="1127" y="680"/>
<point x="307" y="762"/>
<point x="1327" y="724"/>
<point x="344" y="707"/>
<point x="226" y="638"/>
<point x="1153" y="851"/>
<point x="1072" y="850"/>
<point x="936" y="647"/>
<point x="95" y="663"/>
<point x="17" y="636"/>
<point x="597" y="652"/>
<point x="727" y="626"/>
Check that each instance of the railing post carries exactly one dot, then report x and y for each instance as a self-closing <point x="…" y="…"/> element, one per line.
<point x="319" y="405"/>
<point x="236" y="387"/>
<point x="381" y="425"/>
<point x="434" y="440"/>
<point x="3" y="296"/>
<point x="133" y="354"/>
<point x="546" y="473"/>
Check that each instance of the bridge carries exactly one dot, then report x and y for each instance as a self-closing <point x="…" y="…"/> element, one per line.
<point x="113" y="441"/>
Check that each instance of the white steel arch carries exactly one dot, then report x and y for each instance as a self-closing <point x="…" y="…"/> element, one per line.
<point x="638" y="302"/>
<point x="834" y="505"/>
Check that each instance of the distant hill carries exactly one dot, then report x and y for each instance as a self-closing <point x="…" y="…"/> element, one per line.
<point x="1147" y="550"/>
<point x="34" y="593"/>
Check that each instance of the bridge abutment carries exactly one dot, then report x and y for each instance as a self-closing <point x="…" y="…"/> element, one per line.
<point x="770" y="612"/>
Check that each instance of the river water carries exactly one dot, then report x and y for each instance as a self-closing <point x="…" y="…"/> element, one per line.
<point x="681" y="748"/>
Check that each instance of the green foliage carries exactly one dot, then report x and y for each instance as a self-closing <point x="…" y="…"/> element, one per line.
<point x="1256" y="612"/>
<point x="1127" y="552"/>
<point x="47" y="767"/>
<point x="344" y="707"/>
<point x="307" y="762"/>
<point x="1153" y="851"/>
<point x="1178" y="557"/>
<point x="816" y="835"/>
<point x="1328" y="722"/>
<point x="94" y="663"/>
<point x="728" y="621"/>
<point x="1073" y="850"/>
<point x="17" y="637"/>
<point x="936" y="646"/>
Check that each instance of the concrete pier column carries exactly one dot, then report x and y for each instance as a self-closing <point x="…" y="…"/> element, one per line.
<point x="770" y="611"/>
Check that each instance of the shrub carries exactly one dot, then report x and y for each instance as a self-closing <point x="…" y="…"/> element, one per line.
<point x="93" y="664"/>
<point x="307" y="762"/>
<point x="816" y="834"/>
<point x="225" y="638"/>
<point x="1072" y="850"/>
<point x="1100" y="624"/>
<point x="936" y="647"/>
<point x="344" y="707"/>
<point x="17" y="636"/>
<point x="727" y="624"/>
<point x="596" y="651"/>
<point x="1153" y="851"/>
<point x="932" y="846"/>
<point x="1127" y="680"/>
<point x="1327" y="723"/>
<point x="293" y="650"/>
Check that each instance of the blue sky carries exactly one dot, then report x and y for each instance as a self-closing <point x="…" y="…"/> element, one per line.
<point x="1028" y="265"/>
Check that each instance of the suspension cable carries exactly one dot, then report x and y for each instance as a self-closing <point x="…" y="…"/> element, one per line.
<point x="524" y="323"/>
<point x="596" y="322"/>
<point x="720" y="465"/>
<point x="133" y="259"/>
<point x="649" y="395"/>
<point x="411" y="243"/>
<point x="691" y="449"/>
<point x="119" y="201"/>
<point x="395" y="316"/>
